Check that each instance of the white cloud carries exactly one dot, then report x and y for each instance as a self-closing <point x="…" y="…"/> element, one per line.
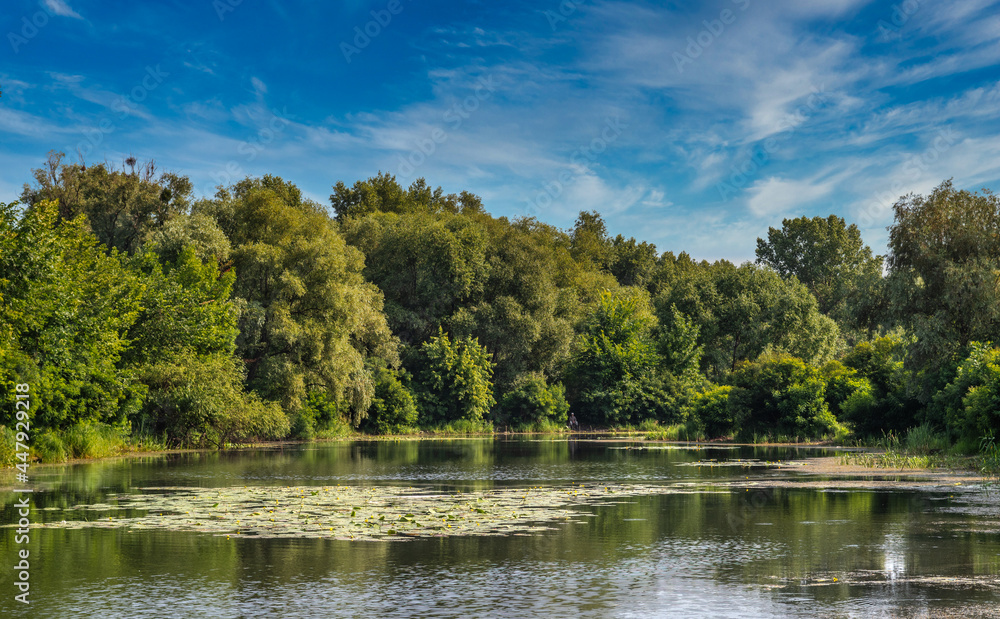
<point x="59" y="7"/>
<point x="776" y="196"/>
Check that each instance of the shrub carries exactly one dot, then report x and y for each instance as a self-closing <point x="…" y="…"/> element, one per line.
<point x="781" y="395"/>
<point x="393" y="408"/>
<point x="200" y="400"/>
<point x="534" y="404"/>
<point x="710" y="414"/>
<point x="885" y="405"/>
<point x="453" y="380"/>
<point x="971" y="402"/>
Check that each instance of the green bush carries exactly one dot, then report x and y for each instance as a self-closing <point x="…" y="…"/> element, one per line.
<point x="48" y="447"/>
<point x="710" y="414"/>
<point x="393" y="409"/>
<point x="453" y="380"/>
<point x="971" y="402"/>
<point x="780" y="395"/>
<point x="200" y="400"/>
<point x="533" y="404"/>
<point x="614" y="371"/>
<point x="885" y="406"/>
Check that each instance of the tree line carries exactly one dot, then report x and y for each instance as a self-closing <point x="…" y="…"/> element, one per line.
<point x="258" y="314"/>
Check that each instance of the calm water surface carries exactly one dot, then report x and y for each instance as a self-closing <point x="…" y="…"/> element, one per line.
<point x="767" y="551"/>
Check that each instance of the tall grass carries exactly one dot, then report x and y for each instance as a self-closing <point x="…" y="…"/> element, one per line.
<point x="989" y="458"/>
<point x="8" y="447"/>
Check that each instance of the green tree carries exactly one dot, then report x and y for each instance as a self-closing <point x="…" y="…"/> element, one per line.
<point x="122" y="207"/>
<point x="453" y="380"/>
<point x="943" y="263"/>
<point x="393" y="406"/>
<point x="744" y="311"/>
<point x="65" y="311"/>
<point x="533" y="403"/>
<point x="780" y="395"/>
<point x="886" y="406"/>
<point x="827" y="256"/>
<point x="308" y="320"/>
<point x="383" y="194"/>
<point x="426" y="266"/>
<point x="614" y="371"/>
<point x="971" y="401"/>
<point x="589" y="241"/>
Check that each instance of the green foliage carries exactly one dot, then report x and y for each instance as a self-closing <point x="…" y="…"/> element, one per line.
<point x="426" y="266"/>
<point x="614" y="370"/>
<point x="49" y="447"/>
<point x="533" y="404"/>
<point x="710" y="412"/>
<point x="308" y="320"/>
<point x="452" y="380"/>
<point x="200" y="400"/>
<point x="383" y="194"/>
<point x="185" y="309"/>
<point x="884" y="406"/>
<point x="744" y="311"/>
<point x="925" y="439"/>
<point x="829" y="257"/>
<point x="842" y="383"/>
<point x="95" y="440"/>
<point x="8" y="452"/>
<point x="197" y="231"/>
<point x="971" y="402"/>
<point x="393" y="408"/>
<point x="781" y="395"/>
<point x="943" y="262"/>
<point x="65" y="309"/>
<point x="121" y="207"/>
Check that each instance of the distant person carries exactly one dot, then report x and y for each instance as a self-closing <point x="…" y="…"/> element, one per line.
<point x="573" y="425"/>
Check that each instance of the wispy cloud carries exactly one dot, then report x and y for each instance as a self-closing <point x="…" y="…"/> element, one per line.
<point x="59" y="7"/>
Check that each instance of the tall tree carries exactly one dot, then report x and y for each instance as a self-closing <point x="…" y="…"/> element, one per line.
<point x="944" y="275"/>
<point x="383" y="194"/>
<point x="65" y="310"/>
<point x="830" y="258"/>
<point x="122" y="206"/>
<point x="309" y="321"/>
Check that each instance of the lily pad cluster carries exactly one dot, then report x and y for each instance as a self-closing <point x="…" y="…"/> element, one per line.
<point x="344" y="512"/>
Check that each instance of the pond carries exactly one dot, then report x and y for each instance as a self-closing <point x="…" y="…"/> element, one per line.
<point x="501" y="528"/>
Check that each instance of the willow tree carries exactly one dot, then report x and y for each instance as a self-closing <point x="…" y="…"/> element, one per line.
<point x="309" y="322"/>
<point x="944" y="260"/>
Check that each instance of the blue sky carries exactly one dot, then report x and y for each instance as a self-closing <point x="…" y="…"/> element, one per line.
<point x="691" y="125"/>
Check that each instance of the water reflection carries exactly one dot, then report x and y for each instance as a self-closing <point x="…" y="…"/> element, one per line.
<point x="765" y="551"/>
